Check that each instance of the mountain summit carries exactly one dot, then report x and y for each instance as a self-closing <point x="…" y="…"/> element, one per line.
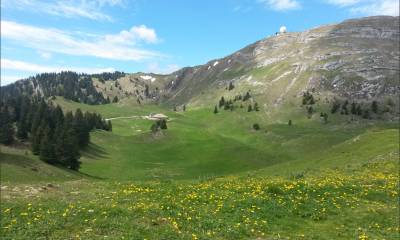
<point x="357" y="59"/>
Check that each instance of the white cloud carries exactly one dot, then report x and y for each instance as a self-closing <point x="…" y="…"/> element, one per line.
<point x="56" y="41"/>
<point x="387" y="7"/>
<point x="9" y="64"/>
<point x="136" y="33"/>
<point x="66" y="8"/>
<point x="369" y="7"/>
<point x="281" y="5"/>
<point x="45" y="55"/>
<point x="343" y="3"/>
<point x="156" y="68"/>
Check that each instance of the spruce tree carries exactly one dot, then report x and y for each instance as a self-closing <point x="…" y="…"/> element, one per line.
<point x="67" y="150"/>
<point x="256" y="108"/>
<point x="249" y="108"/>
<point x="215" y="110"/>
<point x="163" y="124"/>
<point x="36" y="138"/>
<point x="221" y="102"/>
<point x="353" y="108"/>
<point x="47" y="153"/>
<point x="374" y="107"/>
<point x="81" y="129"/>
<point x="6" y="127"/>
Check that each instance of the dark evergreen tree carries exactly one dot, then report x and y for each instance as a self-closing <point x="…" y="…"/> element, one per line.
<point x="163" y="124"/>
<point x="374" y="107"/>
<point x="109" y="126"/>
<point x="222" y="102"/>
<point x="247" y="96"/>
<point x="353" y="108"/>
<point x="344" y="108"/>
<point x="359" y="110"/>
<point x="23" y="121"/>
<point x="66" y="149"/>
<point x="184" y="108"/>
<point x="231" y="86"/>
<point x="115" y="99"/>
<point x="335" y="106"/>
<point x="249" y="108"/>
<point x="81" y="128"/>
<point x="366" y="114"/>
<point x="6" y="127"/>
<point x="215" y="110"/>
<point x="256" y="126"/>
<point x="290" y="123"/>
<point x="256" y="108"/>
<point x="36" y="138"/>
<point x="47" y="152"/>
<point x="310" y="111"/>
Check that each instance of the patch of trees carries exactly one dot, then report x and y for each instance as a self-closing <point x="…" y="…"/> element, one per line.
<point x="230" y="104"/>
<point x="109" y="76"/>
<point x="363" y="109"/>
<point x="308" y="101"/>
<point x="54" y="136"/>
<point x="159" y="125"/>
<point x="70" y="85"/>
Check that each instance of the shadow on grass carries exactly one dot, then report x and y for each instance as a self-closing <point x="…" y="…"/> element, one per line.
<point x="94" y="151"/>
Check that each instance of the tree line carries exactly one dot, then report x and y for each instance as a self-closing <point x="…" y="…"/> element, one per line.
<point x="54" y="136"/>
<point x="70" y="85"/>
<point x="229" y="104"/>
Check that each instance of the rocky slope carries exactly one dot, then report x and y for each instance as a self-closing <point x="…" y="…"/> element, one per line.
<point x="357" y="59"/>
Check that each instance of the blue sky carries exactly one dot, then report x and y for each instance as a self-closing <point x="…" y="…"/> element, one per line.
<point x="152" y="35"/>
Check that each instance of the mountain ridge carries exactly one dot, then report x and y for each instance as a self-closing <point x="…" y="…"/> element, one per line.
<point x="356" y="59"/>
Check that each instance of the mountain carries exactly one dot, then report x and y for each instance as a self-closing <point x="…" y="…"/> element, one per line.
<point x="357" y="59"/>
<point x="354" y="59"/>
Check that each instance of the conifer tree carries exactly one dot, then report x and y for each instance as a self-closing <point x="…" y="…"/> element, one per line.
<point x="256" y="108"/>
<point x="353" y="108"/>
<point x="374" y="107"/>
<point x="222" y="102"/>
<point x="81" y="129"/>
<point x="215" y="110"/>
<point x="47" y="153"/>
<point x="6" y="127"/>
<point x="163" y="124"/>
<point x="249" y="108"/>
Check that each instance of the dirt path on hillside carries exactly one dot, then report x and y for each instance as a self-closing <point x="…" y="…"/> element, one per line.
<point x="137" y="117"/>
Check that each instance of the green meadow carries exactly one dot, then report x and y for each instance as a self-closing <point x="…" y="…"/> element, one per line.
<point x="210" y="176"/>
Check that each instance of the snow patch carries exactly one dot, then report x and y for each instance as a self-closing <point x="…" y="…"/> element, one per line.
<point x="208" y="67"/>
<point x="215" y="63"/>
<point x="148" y="77"/>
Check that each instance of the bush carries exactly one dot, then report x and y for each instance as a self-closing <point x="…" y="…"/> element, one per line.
<point x="256" y="126"/>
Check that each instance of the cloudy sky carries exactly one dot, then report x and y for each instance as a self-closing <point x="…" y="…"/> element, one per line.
<point x="152" y="35"/>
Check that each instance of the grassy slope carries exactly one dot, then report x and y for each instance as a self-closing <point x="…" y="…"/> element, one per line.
<point x="199" y="144"/>
<point x="334" y="181"/>
<point x="20" y="166"/>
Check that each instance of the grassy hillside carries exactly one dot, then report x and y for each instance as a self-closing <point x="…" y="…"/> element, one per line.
<point x="356" y="202"/>
<point x="20" y="166"/>
<point x="200" y="144"/>
<point x="210" y="176"/>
